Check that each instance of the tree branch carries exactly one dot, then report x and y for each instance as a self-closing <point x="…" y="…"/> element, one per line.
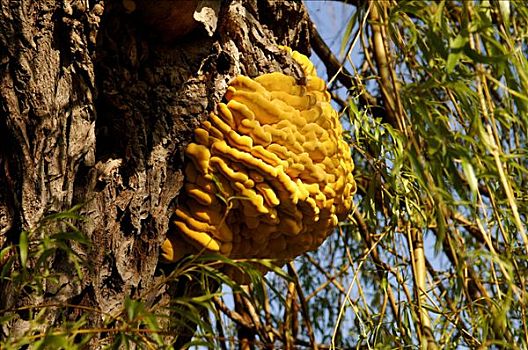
<point x="304" y="306"/>
<point x="335" y="68"/>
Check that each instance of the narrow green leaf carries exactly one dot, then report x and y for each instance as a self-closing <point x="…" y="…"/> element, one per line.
<point x="469" y="172"/>
<point x="23" y="246"/>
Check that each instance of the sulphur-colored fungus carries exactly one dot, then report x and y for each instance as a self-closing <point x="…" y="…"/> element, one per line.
<point x="270" y="176"/>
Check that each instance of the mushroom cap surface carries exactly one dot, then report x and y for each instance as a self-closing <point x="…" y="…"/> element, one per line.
<point x="269" y="176"/>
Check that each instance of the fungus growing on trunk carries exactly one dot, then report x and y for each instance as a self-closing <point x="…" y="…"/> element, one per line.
<point x="270" y="176"/>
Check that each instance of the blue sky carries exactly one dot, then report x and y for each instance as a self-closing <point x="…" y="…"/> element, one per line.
<point x="331" y="18"/>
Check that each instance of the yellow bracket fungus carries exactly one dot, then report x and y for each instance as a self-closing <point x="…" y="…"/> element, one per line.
<point x="270" y="176"/>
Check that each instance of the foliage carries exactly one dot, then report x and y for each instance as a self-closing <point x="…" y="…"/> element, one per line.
<point x="442" y="173"/>
<point x="29" y="266"/>
<point x="47" y="256"/>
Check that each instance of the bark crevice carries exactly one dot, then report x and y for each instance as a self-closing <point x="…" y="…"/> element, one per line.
<point x="95" y="110"/>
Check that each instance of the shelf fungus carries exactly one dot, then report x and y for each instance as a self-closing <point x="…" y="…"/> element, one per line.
<point x="269" y="175"/>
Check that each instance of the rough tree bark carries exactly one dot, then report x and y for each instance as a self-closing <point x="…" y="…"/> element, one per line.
<point x="96" y="107"/>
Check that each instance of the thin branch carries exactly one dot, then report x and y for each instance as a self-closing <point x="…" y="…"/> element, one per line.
<point x="365" y="233"/>
<point x="382" y="63"/>
<point x="304" y="306"/>
<point x="288" y="316"/>
<point x="335" y="68"/>
<point x="246" y="335"/>
<point x="329" y="278"/>
<point x="416" y="250"/>
<point x="233" y="315"/>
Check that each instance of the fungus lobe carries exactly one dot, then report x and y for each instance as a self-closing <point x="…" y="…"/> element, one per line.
<point x="269" y="176"/>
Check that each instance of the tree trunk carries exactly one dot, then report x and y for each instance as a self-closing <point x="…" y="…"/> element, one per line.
<point x="97" y="102"/>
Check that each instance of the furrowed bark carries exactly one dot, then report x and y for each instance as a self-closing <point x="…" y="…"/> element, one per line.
<point x="95" y="109"/>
